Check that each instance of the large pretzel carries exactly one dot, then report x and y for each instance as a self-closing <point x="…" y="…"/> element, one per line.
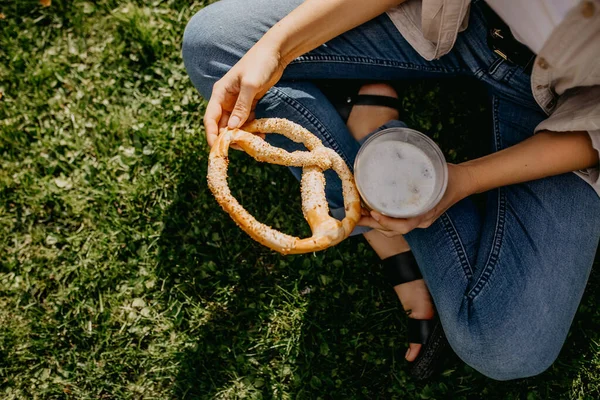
<point x="326" y="230"/>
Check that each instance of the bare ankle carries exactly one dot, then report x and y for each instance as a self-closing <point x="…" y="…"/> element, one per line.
<point x="415" y="299"/>
<point x="381" y="89"/>
<point x="364" y="119"/>
<point x="384" y="246"/>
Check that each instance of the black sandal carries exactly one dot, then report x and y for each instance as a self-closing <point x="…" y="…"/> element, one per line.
<point x="403" y="268"/>
<point x="343" y="94"/>
<point x="367" y="100"/>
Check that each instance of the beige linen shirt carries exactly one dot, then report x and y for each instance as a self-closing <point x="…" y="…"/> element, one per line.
<point x="565" y="80"/>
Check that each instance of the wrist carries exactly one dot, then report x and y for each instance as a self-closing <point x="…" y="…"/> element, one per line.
<point x="276" y="40"/>
<point x="469" y="183"/>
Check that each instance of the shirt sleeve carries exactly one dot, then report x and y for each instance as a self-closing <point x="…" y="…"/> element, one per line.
<point x="578" y="110"/>
<point x="593" y="174"/>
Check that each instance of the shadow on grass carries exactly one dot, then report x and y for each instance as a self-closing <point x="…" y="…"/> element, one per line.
<point x="325" y="325"/>
<point x="256" y="321"/>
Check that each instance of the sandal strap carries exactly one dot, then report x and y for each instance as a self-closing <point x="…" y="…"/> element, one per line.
<point x="375" y="100"/>
<point x="401" y="268"/>
<point x="419" y="330"/>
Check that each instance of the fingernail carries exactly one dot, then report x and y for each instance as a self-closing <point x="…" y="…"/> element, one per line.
<point x="407" y="353"/>
<point x="234" y="122"/>
<point x="375" y="216"/>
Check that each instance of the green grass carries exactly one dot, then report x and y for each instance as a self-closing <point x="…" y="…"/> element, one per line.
<point x="121" y="278"/>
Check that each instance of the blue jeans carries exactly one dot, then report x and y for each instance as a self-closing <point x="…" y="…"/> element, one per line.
<point x="507" y="284"/>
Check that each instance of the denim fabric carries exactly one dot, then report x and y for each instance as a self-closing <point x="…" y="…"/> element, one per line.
<point x="507" y="284"/>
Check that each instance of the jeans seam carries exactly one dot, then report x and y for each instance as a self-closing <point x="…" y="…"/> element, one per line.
<point x="497" y="136"/>
<point x="370" y="61"/>
<point x="304" y="112"/>
<point x="459" y="247"/>
<point x="493" y="257"/>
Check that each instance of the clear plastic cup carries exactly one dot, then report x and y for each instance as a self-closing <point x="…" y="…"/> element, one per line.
<point x="400" y="173"/>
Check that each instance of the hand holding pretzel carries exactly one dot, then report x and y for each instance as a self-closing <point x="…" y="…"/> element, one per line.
<point x="326" y="230"/>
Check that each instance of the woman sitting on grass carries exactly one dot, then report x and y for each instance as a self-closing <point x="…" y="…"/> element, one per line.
<point x="506" y="284"/>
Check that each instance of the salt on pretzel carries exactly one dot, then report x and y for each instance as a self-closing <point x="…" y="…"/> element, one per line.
<point x="326" y="230"/>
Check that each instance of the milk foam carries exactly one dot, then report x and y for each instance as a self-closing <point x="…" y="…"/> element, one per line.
<point x="396" y="178"/>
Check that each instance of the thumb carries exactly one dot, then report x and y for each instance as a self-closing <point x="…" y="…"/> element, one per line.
<point x="243" y="106"/>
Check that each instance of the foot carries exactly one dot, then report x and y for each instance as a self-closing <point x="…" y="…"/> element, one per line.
<point x="414" y="296"/>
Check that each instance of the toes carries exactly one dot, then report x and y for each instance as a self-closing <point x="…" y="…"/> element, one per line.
<point x="412" y="352"/>
<point x="416" y="302"/>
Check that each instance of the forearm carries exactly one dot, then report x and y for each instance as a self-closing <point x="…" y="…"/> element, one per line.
<point x="545" y="154"/>
<point x="315" y="22"/>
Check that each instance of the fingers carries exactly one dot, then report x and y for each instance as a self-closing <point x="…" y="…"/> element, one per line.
<point x="224" y="120"/>
<point x="394" y="226"/>
<point x="252" y="115"/>
<point x="212" y="118"/>
<point x="370" y="223"/>
<point x="400" y="225"/>
<point x="218" y="114"/>
<point x="243" y="106"/>
<point x="251" y="118"/>
<point x="223" y="124"/>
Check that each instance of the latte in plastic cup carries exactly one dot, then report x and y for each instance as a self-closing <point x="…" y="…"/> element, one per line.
<point x="400" y="173"/>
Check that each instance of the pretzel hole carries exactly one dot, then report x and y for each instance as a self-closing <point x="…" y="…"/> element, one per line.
<point x="280" y="206"/>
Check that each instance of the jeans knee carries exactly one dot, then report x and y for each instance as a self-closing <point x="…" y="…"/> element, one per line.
<point x="510" y="367"/>
<point x="508" y="357"/>
<point x="201" y="49"/>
